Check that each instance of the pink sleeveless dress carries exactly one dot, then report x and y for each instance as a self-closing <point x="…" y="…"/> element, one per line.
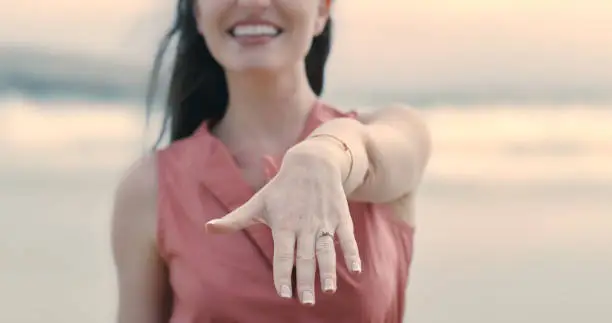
<point x="228" y="278"/>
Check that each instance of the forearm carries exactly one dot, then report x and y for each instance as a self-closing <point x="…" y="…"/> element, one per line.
<point x="386" y="155"/>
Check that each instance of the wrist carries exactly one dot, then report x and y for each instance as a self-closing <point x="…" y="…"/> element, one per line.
<point x="341" y="142"/>
<point x="349" y="136"/>
<point x="313" y="151"/>
<point x="337" y="151"/>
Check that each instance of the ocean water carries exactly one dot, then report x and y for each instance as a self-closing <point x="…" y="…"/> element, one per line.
<point x="514" y="215"/>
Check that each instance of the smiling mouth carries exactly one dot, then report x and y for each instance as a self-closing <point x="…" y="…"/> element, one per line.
<point x="256" y="30"/>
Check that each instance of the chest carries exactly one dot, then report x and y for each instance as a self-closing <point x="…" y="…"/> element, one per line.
<point x="258" y="162"/>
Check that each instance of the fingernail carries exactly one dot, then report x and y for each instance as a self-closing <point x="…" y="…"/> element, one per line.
<point x="307" y="298"/>
<point x="328" y="285"/>
<point x="356" y="266"/>
<point x="285" y="291"/>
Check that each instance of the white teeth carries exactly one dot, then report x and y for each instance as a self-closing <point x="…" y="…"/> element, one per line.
<point x="255" y="30"/>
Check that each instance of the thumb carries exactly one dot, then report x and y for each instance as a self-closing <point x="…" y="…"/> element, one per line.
<point x="241" y="218"/>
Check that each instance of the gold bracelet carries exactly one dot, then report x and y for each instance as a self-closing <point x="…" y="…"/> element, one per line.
<point x="346" y="149"/>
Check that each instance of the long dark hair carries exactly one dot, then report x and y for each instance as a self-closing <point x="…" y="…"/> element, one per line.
<point x="198" y="88"/>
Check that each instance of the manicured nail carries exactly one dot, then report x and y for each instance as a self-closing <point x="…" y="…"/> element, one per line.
<point x="328" y="285"/>
<point x="356" y="266"/>
<point x="210" y="225"/>
<point x="307" y="298"/>
<point x="285" y="291"/>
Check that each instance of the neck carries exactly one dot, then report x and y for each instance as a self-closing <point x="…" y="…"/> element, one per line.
<point x="270" y="107"/>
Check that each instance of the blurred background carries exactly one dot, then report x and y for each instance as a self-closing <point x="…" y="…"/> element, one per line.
<point x="515" y="213"/>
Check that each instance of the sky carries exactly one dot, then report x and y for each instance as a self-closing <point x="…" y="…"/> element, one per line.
<point x="523" y="46"/>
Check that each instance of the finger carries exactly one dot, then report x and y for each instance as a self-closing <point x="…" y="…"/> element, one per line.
<point x="326" y="257"/>
<point x="284" y="250"/>
<point x="346" y="236"/>
<point x="306" y="267"/>
<point x="241" y="218"/>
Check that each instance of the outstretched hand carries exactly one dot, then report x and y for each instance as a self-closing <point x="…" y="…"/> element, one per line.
<point x="304" y="203"/>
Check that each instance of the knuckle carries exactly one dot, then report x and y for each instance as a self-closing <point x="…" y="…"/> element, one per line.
<point x="353" y="257"/>
<point x="280" y="281"/>
<point x="350" y="251"/>
<point x="284" y="256"/>
<point x="281" y="231"/>
<point x="305" y="277"/>
<point x="282" y="276"/>
<point x="284" y="225"/>
<point x="328" y="275"/>
<point x="347" y="226"/>
<point x="305" y="257"/>
<point x="305" y="286"/>
<point x="325" y="246"/>
<point x="327" y="267"/>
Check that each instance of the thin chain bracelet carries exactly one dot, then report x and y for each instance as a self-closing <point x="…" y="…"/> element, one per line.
<point x="346" y="149"/>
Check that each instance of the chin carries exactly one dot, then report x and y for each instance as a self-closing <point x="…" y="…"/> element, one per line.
<point x="260" y="65"/>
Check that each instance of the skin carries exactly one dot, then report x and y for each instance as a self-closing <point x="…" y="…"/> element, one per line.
<point x="389" y="151"/>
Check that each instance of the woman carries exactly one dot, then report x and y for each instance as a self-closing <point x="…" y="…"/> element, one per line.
<point x="244" y="216"/>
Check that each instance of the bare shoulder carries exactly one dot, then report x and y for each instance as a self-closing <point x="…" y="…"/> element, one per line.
<point x="135" y="202"/>
<point x="139" y="181"/>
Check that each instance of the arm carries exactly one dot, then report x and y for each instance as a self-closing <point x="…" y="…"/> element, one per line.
<point x="305" y="204"/>
<point x="390" y="149"/>
<point x="142" y="279"/>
